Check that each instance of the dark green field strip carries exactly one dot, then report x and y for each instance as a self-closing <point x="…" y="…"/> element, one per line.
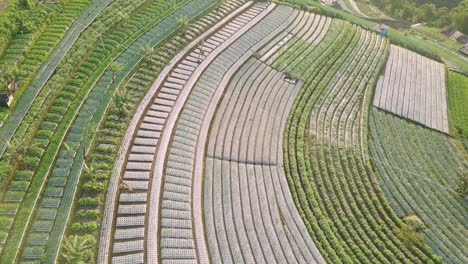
<point x="457" y="93"/>
<point x="41" y="65"/>
<point x="331" y="183"/>
<point x="418" y="170"/>
<point x="92" y="111"/>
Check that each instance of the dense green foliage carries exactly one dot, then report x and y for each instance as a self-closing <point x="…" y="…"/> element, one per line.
<point x="20" y="16"/>
<point x="399" y="38"/>
<point x="419" y="171"/>
<point x="78" y="249"/>
<point x="20" y="64"/>
<point x="428" y="12"/>
<point x="457" y="92"/>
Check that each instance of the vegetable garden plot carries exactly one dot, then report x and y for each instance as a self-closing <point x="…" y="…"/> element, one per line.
<point x="413" y="87"/>
<point x="61" y="34"/>
<point x="325" y="150"/>
<point x="419" y="171"/>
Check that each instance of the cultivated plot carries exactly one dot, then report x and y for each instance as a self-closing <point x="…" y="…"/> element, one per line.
<point x="413" y="87"/>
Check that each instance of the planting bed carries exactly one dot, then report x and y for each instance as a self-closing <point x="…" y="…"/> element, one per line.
<point x="414" y="87"/>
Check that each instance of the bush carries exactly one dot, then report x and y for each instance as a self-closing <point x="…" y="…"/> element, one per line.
<point x="88" y="214"/>
<point x="84" y="227"/>
<point x="36" y="152"/>
<point x="89" y="202"/>
<point x="31" y="162"/>
<point x="409" y="236"/>
<point x="14" y="196"/>
<point x="19" y="185"/>
<point x="5" y="222"/>
<point x="79" y="249"/>
<point x="93" y="187"/>
<point x="44" y="134"/>
<point x="8" y="209"/>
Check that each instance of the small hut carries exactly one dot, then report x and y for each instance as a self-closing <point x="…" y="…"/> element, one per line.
<point x="5" y="99"/>
<point x="463" y="39"/>
<point x="382" y="29"/>
<point x="455" y="35"/>
<point x="464" y="50"/>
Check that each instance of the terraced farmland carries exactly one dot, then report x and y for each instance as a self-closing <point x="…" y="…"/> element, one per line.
<point x="426" y="186"/>
<point x="203" y="131"/>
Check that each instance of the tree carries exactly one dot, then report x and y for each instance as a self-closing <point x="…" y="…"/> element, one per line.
<point x="183" y="23"/>
<point x="462" y="183"/>
<point x="408" y="236"/>
<point x="149" y="52"/>
<point x="16" y="150"/>
<point x="427" y="12"/>
<point x="90" y="171"/>
<point x="12" y="80"/>
<point x="459" y="16"/>
<point x="120" y="100"/>
<point x="115" y="67"/>
<point x="124" y="18"/>
<point x="78" y="249"/>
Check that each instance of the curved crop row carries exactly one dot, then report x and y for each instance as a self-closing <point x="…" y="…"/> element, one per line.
<point x="122" y="238"/>
<point x="419" y="170"/>
<point x="179" y="207"/>
<point x="325" y="159"/>
<point x="245" y="185"/>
